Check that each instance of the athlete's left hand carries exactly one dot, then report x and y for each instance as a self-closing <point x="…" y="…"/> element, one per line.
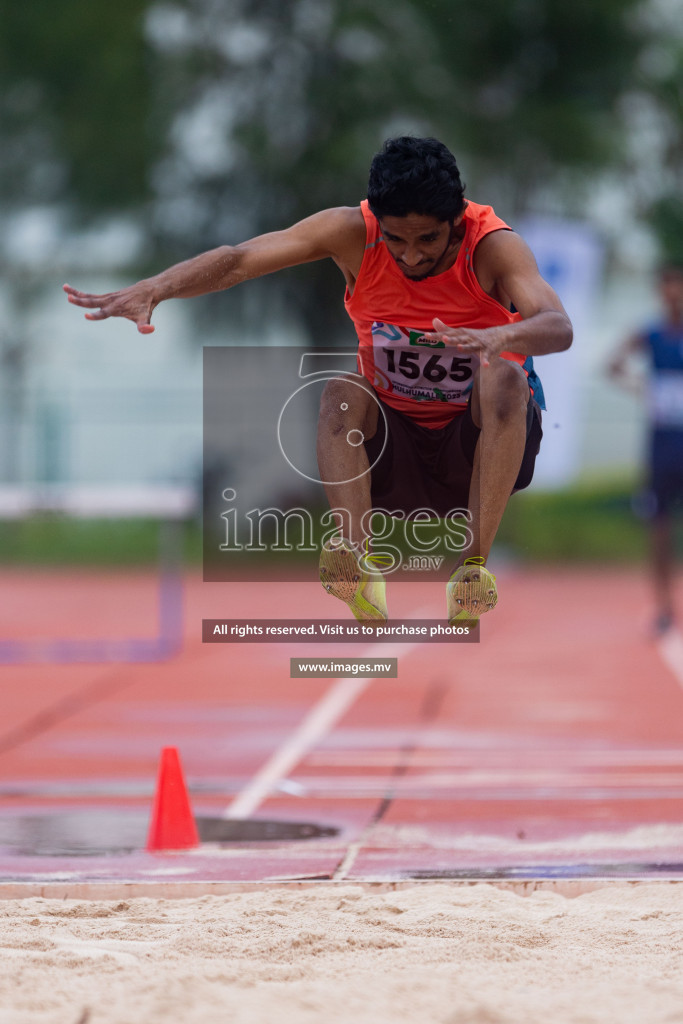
<point x="485" y="342"/>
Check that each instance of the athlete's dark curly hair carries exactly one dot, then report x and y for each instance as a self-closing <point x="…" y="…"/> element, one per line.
<point x="411" y="175"/>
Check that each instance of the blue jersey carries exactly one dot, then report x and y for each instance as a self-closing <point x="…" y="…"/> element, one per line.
<point x="664" y="345"/>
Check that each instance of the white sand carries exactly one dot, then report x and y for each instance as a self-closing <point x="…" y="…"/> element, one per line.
<point x="434" y="952"/>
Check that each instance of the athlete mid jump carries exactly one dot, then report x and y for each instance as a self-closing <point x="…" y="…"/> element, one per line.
<point x="449" y="307"/>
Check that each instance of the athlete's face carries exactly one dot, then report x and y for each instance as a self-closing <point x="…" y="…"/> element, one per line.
<point x="422" y="246"/>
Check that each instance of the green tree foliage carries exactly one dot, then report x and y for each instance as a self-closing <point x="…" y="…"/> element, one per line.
<point x="534" y="83"/>
<point x="277" y="107"/>
<point x="523" y="89"/>
<point x="231" y="117"/>
<point x="658" y="102"/>
<point x="75" y="103"/>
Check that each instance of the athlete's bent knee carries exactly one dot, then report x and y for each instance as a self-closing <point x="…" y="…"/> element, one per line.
<point x="504" y="389"/>
<point x="348" y="402"/>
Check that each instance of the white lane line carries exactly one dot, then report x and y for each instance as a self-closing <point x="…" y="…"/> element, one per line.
<point x="351" y="855"/>
<point x="670" y="647"/>
<point x="318" y="722"/>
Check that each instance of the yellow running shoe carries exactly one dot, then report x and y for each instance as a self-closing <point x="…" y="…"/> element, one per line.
<point x="470" y="592"/>
<point x="342" y="575"/>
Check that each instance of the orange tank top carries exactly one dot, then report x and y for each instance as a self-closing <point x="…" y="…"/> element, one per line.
<point x="426" y="380"/>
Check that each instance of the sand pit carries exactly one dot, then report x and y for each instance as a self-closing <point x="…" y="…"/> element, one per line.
<point x="434" y="952"/>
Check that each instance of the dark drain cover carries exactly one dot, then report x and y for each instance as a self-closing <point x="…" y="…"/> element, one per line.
<point x="98" y="832"/>
<point x="218" y="830"/>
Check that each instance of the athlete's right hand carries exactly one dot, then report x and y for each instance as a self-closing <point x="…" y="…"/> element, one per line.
<point x="134" y="303"/>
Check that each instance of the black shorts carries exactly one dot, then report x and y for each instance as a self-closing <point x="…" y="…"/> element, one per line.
<point x="424" y="468"/>
<point x="665" y="494"/>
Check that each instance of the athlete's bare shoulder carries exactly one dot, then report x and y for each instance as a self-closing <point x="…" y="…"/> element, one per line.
<point x="347" y="230"/>
<point x="337" y="232"/>
<point x="497" y="252"/>
<point x="507" y="271"/>
<point x="345" y="226"/>
<point x="346" y="218"/>
<point x="498" y="255"/>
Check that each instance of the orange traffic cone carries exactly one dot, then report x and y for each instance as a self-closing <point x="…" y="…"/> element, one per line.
<point x="172" y="825"/>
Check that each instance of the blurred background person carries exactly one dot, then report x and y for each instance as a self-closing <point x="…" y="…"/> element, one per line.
<point x="661" y="343"/>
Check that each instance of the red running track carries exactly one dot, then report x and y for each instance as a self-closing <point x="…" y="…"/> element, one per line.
<point x="551" y="749"/>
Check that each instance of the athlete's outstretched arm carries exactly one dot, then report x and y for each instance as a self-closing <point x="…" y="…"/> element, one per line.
<point x="331" y="233"/>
